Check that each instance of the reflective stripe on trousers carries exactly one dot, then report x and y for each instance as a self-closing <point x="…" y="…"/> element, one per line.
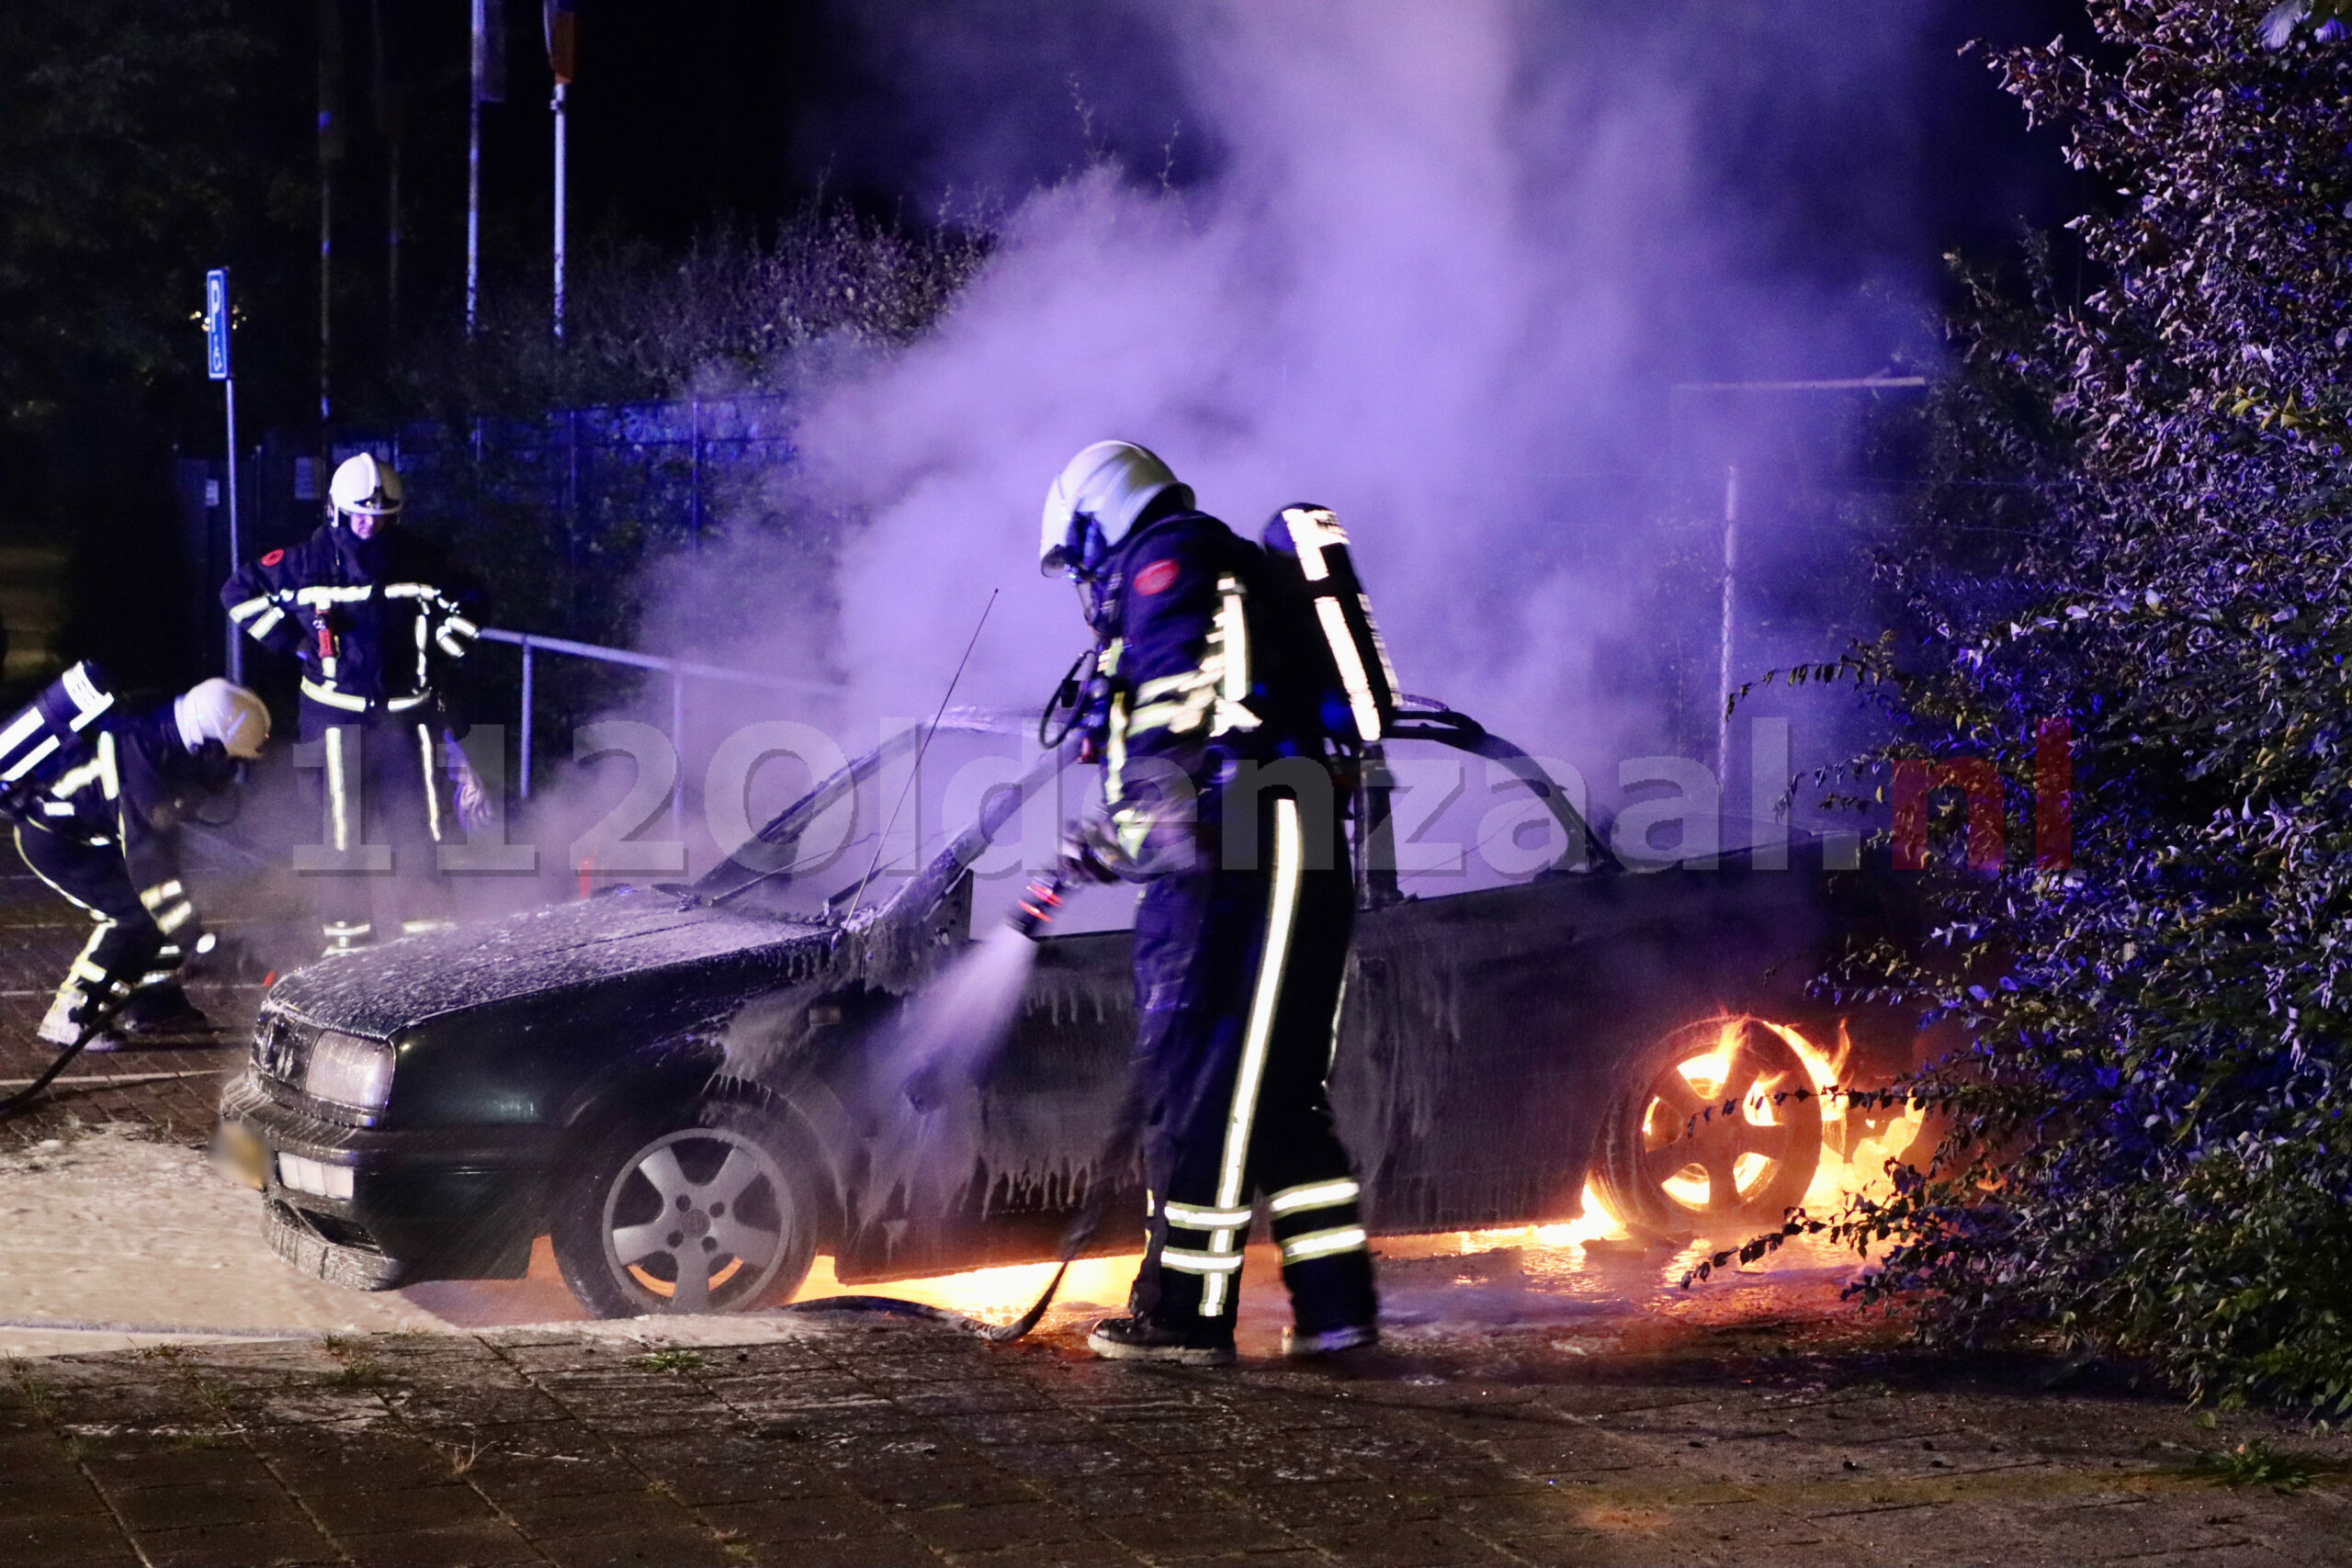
<point x="1282" y="916"/>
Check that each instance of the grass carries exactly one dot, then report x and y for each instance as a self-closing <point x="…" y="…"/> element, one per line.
<point x="2256" y="1464"/>
<point x="673" y="1361"/>
<point x="41" y="1398"/>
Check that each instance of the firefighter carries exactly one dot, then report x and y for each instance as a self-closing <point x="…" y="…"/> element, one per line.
<point x="99" y="821"/>
<point x="1241" y="931"/>
<point x="378" y="620"/>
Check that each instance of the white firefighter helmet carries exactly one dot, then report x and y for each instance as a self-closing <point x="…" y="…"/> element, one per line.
<point x="366" y="486"/>
<point x="1096" y="500"/>
<point x="215" y="710"/>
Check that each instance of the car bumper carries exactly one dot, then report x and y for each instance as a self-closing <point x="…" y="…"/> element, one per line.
<point x="423" y="1203"/>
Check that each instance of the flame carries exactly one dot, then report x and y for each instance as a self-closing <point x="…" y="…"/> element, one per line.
<point x="999" y="1293"/>
<point x="1100" y="1284"/>
<point x="1862" y="1170"/>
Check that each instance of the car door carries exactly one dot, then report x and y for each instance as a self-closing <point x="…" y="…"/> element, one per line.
<point x="1471" y="1046"/>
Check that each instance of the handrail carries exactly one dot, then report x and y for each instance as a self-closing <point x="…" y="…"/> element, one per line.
<point x="680" y="672"/>
<point x="655" y="661"/>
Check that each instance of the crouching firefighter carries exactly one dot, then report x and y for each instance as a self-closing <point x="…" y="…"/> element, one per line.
<point x="378" y="620"/>
<point x="1219" y="749"/>
<point x="96" y="794"/>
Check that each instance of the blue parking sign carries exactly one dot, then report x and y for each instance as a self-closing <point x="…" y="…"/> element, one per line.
<point x="216" y="323"/>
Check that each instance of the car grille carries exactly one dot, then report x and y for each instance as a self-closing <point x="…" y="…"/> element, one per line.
<point x="282" y="1047"/>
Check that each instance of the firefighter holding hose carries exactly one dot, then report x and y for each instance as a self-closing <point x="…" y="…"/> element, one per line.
<point x="97" y="794"/>
<point x="1219" y="747"/>
<point x="380" y="620"/>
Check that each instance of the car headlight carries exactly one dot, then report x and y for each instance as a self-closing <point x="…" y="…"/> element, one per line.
<point x="349" y="1071"/>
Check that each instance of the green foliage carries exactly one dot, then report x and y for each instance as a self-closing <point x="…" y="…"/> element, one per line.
<point x="2147" y="1147"/>
<point x="2256" y="1464"/>
<point x="117" y="163"/>
<point x="672" y="1360"/>
<point x="733" y="313"/>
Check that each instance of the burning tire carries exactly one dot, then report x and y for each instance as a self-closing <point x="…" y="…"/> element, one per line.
<point x="706" y="1212"/>
<point x="1712" y="1135"/>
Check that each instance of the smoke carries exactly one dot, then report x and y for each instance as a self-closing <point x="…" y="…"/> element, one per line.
<point x="1430" y="265"/>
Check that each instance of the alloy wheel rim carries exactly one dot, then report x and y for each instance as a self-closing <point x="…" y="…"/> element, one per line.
<point x="698" y="1220"/>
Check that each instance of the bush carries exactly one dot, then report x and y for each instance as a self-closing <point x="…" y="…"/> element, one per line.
<point x="735" y="311"/>
<point x="2148" y="1149"/>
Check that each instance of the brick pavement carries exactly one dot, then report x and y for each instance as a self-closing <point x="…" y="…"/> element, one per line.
<point x="849" y="1442"/>
<point x="168" y="1093"/>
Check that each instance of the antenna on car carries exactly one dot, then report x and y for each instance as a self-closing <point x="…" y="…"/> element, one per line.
<point x="924" y="745"/>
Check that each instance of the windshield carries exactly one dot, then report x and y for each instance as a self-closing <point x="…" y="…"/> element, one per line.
<point x="1471" y="812"/>
<point x="858" y="837"/>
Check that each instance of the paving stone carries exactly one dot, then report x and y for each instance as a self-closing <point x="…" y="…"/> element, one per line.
<point x="801" y="1519"/>
<point x="1212" y="1525"/>
<point x="925" y="1482"/>
<point x="625" y="1507"/>
<point x="248" y="1544"/>
<point x="125" y="1464"/>
<point x="50" y="1489"/>
<point x="208" y="1502"/>
<point x="444" y="1546"/>
<point x="358" y="1461"/>
<point x="699" y="1485"/>
<point x="1402" y="1543"/>
<point x="407" y="1509"/>
<point x="1051" y="1554"/>
<point x="896" y="1550"/>
<point x="682" y="1546"/>
<point x="994" y="1526"/>
<point x="57" y="1540"/>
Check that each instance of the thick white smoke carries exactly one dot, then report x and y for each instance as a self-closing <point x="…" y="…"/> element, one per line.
<point x="1445" y="259"/>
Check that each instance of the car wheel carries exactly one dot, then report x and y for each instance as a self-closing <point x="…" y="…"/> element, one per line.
<point x="1675" y="1163"/>
<point x="708" y="1210"/>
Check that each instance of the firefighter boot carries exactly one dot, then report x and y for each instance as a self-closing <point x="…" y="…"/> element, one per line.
<point x="162" y="1015"/>
<point x="1143" y="1338"/>
<point x="61" y="1025"/>
<point x="1299" y="1343"/>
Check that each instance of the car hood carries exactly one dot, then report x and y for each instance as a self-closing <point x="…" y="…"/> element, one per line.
<point x="381" y="989"/>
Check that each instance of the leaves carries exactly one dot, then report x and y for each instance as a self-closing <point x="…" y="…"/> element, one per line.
<point x="2148" y="1133"/>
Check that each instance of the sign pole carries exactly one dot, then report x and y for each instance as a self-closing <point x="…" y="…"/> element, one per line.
<point x="217" y="368"/>
<point x="561" y="25"/>
<point x="561" y="121"/>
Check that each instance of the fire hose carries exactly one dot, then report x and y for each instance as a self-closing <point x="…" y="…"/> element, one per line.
<point x="30" y="1092"/>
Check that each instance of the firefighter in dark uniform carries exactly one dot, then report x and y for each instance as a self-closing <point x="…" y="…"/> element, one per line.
<point x="1218" y="797"/>
<point x="378" y="619"/>
<point x="98" y="819"/>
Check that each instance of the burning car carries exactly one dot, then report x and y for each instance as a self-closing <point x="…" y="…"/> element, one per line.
<point x="692" y="1090"/>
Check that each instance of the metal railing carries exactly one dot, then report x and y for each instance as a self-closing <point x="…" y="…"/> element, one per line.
<point x="680" y="672"/>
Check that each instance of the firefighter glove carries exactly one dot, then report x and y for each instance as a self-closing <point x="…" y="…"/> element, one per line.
<point x="466" y="789"/>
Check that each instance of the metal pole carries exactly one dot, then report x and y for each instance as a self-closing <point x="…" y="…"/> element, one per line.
<point x="526" y="717"/>
<point x="1731" y="568"/>
<point x="326" y="276"/>
<point x="473" y="210"/>
<point x="561" y="121"/>
<point x="678" y="744"/>
<point x="570" y="501"/>
<point x="236" y="552"/>
<point x="393" y="240"/>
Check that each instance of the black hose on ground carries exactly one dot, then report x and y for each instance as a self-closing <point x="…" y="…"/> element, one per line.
<point x="1116" y="1150"/>
<point x="30" y="1092"/>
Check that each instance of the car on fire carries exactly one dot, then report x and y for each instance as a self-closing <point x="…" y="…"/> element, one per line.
<point x="694" y="1090"/>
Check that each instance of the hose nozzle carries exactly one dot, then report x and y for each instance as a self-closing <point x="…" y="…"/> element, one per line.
<point x="1040" y="901"/>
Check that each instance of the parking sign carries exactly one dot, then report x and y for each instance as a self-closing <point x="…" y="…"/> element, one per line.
<point x="216" y="323"/>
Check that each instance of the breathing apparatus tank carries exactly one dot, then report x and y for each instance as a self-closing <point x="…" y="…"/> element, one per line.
<point x="32" y="739"/>
<point x="1312" y="573"/>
